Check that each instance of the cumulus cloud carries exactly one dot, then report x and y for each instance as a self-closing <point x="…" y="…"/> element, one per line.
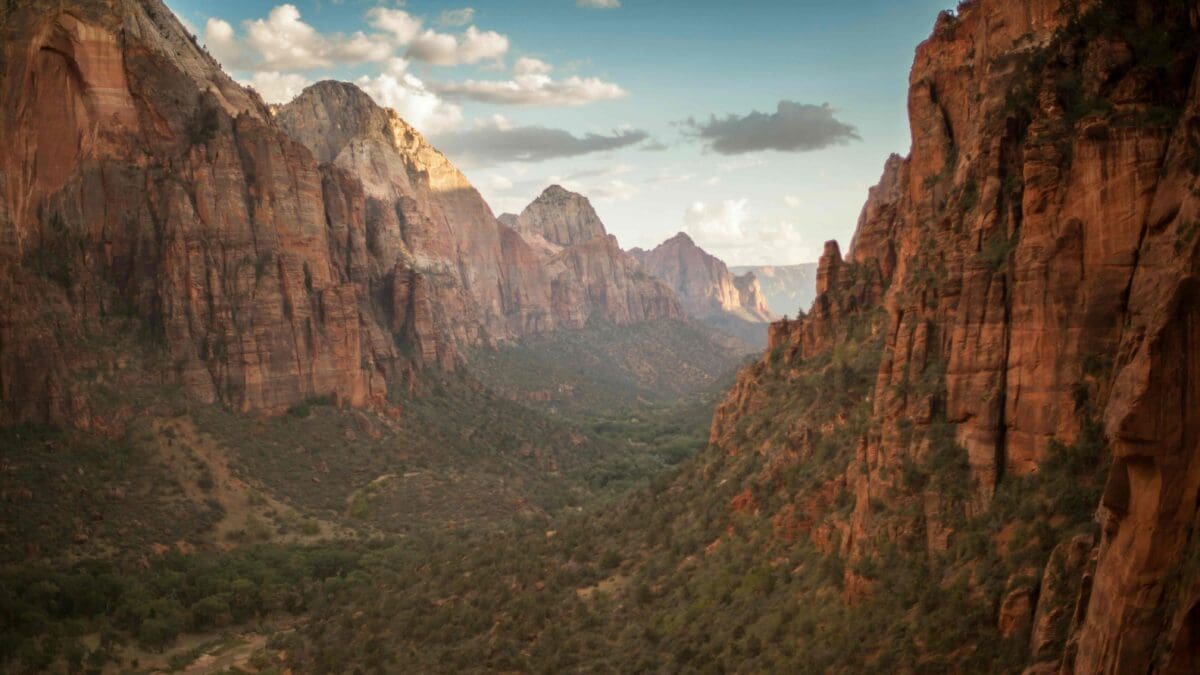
<point x="530" y="66"/>
<point x="600" y="183"/>
<point x="283" y="41"/>
<point x="222" y="42"/>
<point x="276" y="87"/>
<point x="456" y="17"/>
<point x="401" y="25"/>
<point x="793" y="127"/>
<point x="494" y="143"/>
<point x="531" y="84"/>
<point x="408" y="95"/>
<point x="598" y="4"/>
<point x="444" y="49"/>
<point x="615" y="190"/>
<point x="729" y="230"/>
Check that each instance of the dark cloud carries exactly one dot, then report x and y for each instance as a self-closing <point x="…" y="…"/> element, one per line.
<point x="793" y="127"/>
<point x="531" y="144"/>
<point x="654" y="146"/>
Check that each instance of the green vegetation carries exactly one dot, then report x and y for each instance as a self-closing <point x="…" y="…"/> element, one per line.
<point x="1184" y="235"/>
<point x="206" y="122"/>
<point x="995" y="251"/>
<point x="607" y="367"/>
<point x="85" y="614"/>
<point x="60" y="253"/>
<point x="451" y="464"/>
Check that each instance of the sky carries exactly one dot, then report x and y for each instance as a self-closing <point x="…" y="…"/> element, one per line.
<point x="756" y="126"/>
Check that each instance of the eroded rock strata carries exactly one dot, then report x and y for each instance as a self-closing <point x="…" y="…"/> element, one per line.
<point x="1029" y="270"/>
<point x="323" y="248"/>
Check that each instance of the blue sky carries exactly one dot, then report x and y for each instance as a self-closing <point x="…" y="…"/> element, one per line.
<point x="647" y="107"/>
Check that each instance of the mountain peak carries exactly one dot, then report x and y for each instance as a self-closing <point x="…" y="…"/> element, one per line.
<point x="561" y="217"/>
<point x="703" y="281"/>
<point x="328" y="115"/>
<point x="681" y="238"/>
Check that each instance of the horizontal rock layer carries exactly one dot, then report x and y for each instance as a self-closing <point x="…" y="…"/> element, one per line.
<point x="1036" y="258"/>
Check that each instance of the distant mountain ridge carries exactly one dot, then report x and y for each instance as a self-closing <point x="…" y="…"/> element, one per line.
<point x="708" y="290"/>
<point x="788" y="289"/>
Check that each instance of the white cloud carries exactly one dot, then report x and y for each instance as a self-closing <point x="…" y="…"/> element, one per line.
<point x="456" y="17"/>
<point x="499" y="182"/>
<point x="531" y="84"/>
<point x="598" y="4"/>
<point x="405" y="93"/>
<point x="400" y="24"/>
<point x="276" y="87"/>
<point x="284" y="42"/>
<point x="615" y="190"/>
<point x="530" y="66"/>
<point x="730" y="231"/>
<point x="792" y="201"/>
<point x="444" y="49"/>
<point x="222" y="42"/>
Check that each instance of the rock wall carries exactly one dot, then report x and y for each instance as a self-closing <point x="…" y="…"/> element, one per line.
<point x="1035" y="259"/>
<point x="144" y="190"/>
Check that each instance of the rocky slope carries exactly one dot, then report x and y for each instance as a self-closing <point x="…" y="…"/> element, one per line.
<point x="704" y="283"/>
<point x="788" y="289"/>
<point x="1028" y="275"/>
<point x="146" y="192"/>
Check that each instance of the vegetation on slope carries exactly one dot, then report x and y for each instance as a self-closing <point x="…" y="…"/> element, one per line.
<point x="189" y="512"/>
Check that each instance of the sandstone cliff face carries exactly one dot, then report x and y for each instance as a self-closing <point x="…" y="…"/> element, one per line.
<point x="323" y="250"/>
<point x="588" y="276"/>
<point x="1032" y="264"/>
<point x="703" y="282"/>
<point x="554" y="266"/>
<point x="560" y="217"/>
<point x="143" y="182"/>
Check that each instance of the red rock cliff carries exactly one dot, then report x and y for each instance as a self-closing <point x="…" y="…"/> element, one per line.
<point x="142" y="189"/>
<point x="1034" y="261"/>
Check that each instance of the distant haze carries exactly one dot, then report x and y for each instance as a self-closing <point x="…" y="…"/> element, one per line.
<point x="787" y="288"/>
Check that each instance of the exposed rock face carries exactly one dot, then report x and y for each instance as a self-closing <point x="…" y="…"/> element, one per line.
<point x="704" y="284"/>
<point x="787" y="289"/>
<point x="560" y="217"/>
<point x="143" y="181"/>
<point x="1035" y="257"/>
<point x="142" y="184"/>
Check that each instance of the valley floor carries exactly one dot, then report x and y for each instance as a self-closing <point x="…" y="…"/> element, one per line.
<point x="199" y="540"/>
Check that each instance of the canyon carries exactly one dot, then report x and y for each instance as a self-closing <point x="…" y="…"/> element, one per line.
<point x="976" y="450"/>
